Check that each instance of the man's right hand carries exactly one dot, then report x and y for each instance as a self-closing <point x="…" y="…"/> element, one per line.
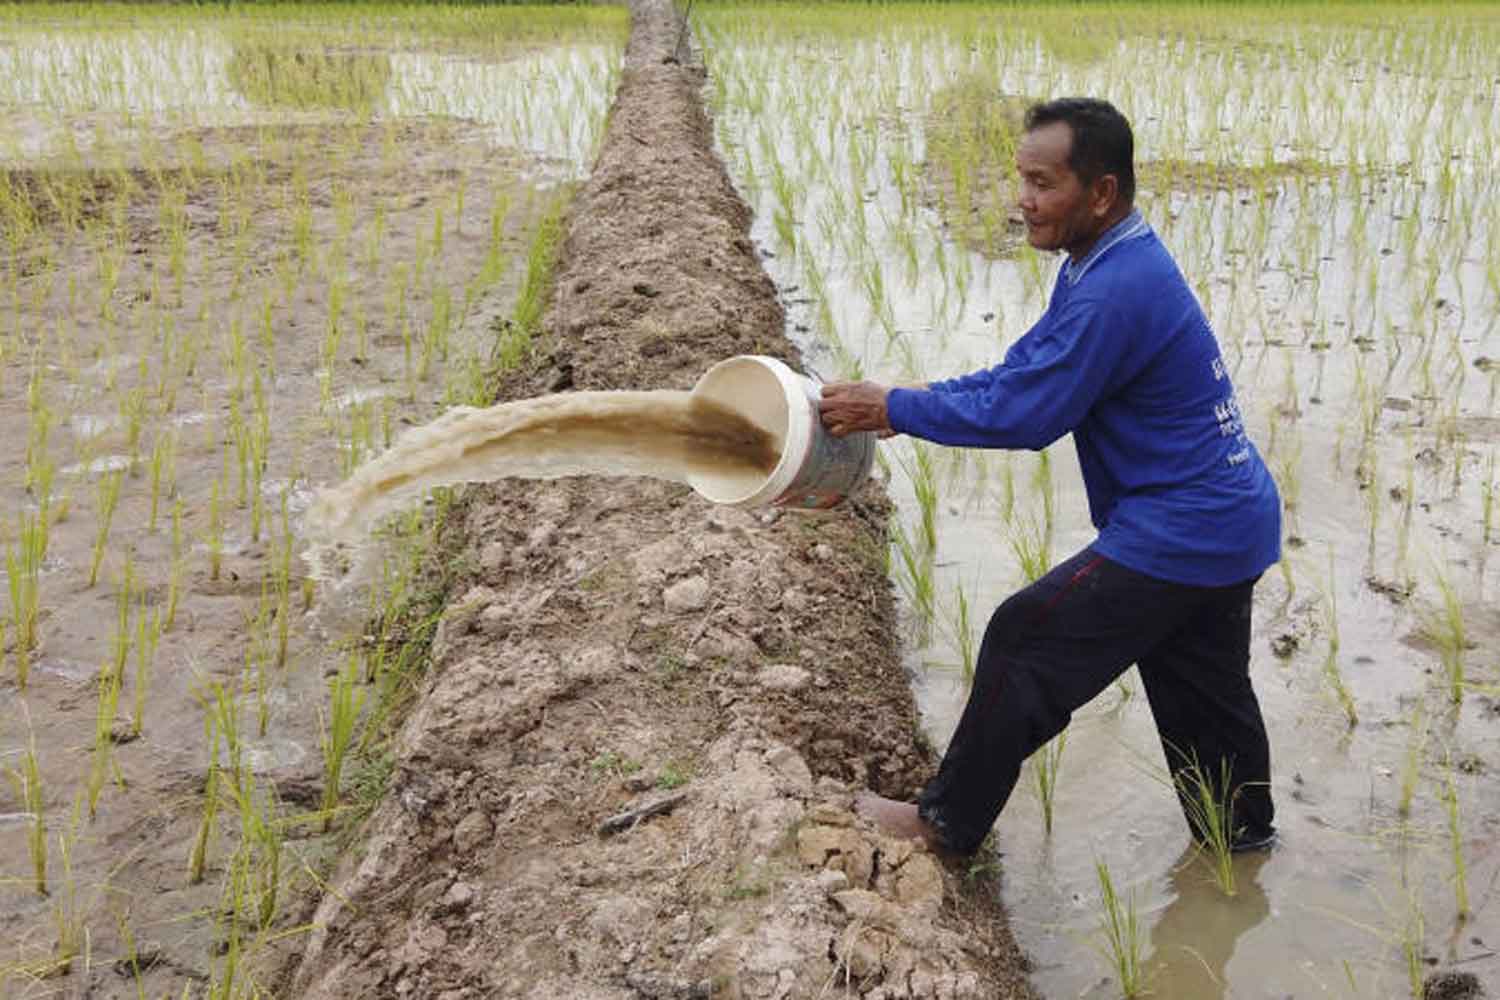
<point x="847" y="407"/>
<point x="841" y="400"/>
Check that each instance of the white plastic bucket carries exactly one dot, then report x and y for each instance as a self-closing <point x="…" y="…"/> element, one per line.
<point x="816" y="469"/>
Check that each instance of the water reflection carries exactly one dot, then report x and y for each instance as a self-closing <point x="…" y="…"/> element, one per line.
<point x="547" y="100"/>
<point x="274" y="76"/>
<point x="1195" y="936"/>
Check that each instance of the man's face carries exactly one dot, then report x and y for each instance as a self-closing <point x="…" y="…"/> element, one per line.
<point x="1058" y="208"/>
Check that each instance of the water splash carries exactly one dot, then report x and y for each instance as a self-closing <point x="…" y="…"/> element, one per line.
<point x="664" y="434"/>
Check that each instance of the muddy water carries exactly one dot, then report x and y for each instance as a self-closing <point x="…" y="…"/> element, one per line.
<point x="665" y="434"/>
<point x="544" y="102"/>
<point x="1319" y="338"/>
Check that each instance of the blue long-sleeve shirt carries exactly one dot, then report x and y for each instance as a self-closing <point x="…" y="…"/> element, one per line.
<point x="1124" y="359"/>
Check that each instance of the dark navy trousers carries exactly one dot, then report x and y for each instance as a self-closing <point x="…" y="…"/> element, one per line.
<point x="1051" y="647"/>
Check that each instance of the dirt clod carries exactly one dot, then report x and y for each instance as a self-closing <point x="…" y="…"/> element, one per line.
<point x="783" y="677"/>
<point x="686" y="595"/>
<point x="1452" y="986"/>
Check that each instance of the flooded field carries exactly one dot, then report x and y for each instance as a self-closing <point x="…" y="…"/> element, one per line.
<point x="1329" y="182"/>
<point x="242" y="252"/>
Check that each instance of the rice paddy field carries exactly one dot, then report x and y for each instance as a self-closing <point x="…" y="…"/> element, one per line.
<point x="1327" y="179"/>
<point x="242" y="250"/>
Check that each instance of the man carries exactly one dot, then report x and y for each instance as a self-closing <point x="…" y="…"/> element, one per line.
<point x="1188" y="516"/>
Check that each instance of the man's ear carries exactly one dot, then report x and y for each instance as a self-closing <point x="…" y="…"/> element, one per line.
<point x="1105" y="192"/>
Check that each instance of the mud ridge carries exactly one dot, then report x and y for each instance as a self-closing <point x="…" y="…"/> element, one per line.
<point x="630" y="770"/>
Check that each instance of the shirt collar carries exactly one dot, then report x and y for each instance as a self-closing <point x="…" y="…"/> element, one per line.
<point x="1128" y="228"/>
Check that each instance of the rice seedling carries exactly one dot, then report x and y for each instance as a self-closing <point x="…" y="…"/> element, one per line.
<point x="214" y="532"/>
<point x="132" y="956"/>
<point x="359" y="437"/>
<point x="1449" y="795"/>
<point x="961" y="630"/>
<point x="1045" y="765"/>
<point x="435" y="341"/>
<point x="124" y="595"/>
<point x="221" y="724"/>
<point x="256" y="875"/>
<point x="174" y="573"/>
<point x="147" y="635"/>
<point x="783" y="219"/>
<point x="239" y="439"/>
<point x="923" y="478"/>
<point x="69" y="932"/>
<point x="302" y="225"/>
<point x="107" y="498"/>
<point x="1008" y="490"/>
<point x="38" y="462"/>
<point x="345" y="699"/>
<point x="1413" y="936"/>
<point x="530" y="298"/>
<point x="1289" y="479"/>
<point x="375" y="237"/>
<point x="281" y="584"/>
<point x="1031" y="544"/>
<point x="1331" y="670"/>
<point x="46" y="514"/>
<point x="1124" y="944"/>
<point x="224" y="984"/>
<point x="198" y="859"/>
<point x="1446" y="629"/>
<point x="915" y="574"/>
<point x="333" y="330"/>
<point x="259" y="446"/>
<point x="1208" y="800"/>
<point x="102" y="763"/>
<point x="163" y="467"/>
<point x="23" y="567"/>
<point x="27" y="779"/>
<point x="133" y="415"/>
<point x="257" y="653"/>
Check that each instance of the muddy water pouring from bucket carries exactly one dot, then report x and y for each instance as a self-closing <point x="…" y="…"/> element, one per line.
<point x="747" y="435"/>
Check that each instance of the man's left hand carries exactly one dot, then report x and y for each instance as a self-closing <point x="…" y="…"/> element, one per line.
<point x="847" y="407"/>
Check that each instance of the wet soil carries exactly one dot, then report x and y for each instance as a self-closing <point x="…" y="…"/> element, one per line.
<point x="629" y="771"/>
<point x="96" y="349"/>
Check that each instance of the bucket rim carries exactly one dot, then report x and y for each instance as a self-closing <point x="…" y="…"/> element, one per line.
<point x="796" y="440"/>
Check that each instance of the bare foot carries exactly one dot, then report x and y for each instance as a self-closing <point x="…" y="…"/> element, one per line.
<point x="898" y="819"/>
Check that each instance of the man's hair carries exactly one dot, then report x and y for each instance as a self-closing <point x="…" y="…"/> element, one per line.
<point x="1102" y="140"/>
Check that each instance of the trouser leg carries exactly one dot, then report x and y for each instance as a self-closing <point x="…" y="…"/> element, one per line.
<point x="1198" y="683"/>
<point x="1048" y="650"/>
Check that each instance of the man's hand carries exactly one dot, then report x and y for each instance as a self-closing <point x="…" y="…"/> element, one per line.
<point x="847" y="407"/>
